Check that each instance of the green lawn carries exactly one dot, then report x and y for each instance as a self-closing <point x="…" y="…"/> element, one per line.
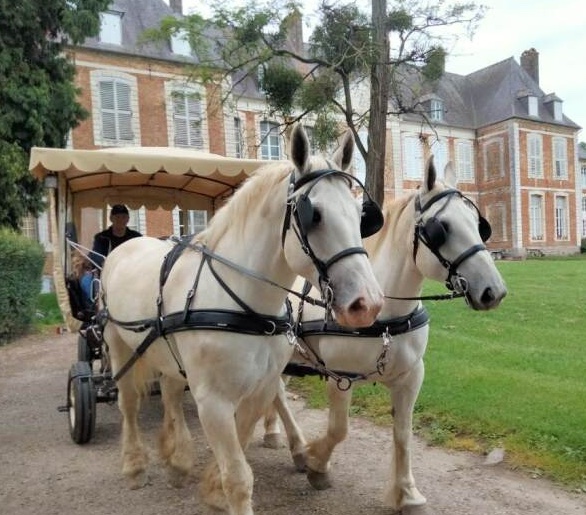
<point x="514" y="377"/>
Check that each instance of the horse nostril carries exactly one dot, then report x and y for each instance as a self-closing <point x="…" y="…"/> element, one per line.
<point x="358" y="305"/>
<point x="488" y="296"/>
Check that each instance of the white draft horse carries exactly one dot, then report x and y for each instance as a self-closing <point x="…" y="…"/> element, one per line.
<point x="435" y="233"/>
<point x="211" y="312"/>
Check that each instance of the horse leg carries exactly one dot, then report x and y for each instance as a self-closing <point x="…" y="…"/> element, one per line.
<point x="227" y="482"/>
<point x="272" y="431"/>
<point x="297" y="443"/>
<point x="320" y="450"/>
<point x="175" y="445"/>
<point x="401" y="491"/>
<point x="134" y="454"/>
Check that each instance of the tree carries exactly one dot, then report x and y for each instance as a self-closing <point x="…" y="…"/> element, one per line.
<point x="346" y="51"/>
<point x="38" y="105"/>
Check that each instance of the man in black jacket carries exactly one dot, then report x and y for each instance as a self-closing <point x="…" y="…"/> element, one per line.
<point x="117" y="233"/>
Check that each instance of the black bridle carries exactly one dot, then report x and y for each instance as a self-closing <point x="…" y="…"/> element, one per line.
<point x="433" y="234"/>
<point x="301" y="210"/>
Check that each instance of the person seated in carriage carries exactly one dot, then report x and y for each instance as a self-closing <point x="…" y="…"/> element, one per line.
<point x="116" y="234"/>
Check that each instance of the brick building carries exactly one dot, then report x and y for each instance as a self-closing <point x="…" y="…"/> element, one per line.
<point x="513" y="148"/>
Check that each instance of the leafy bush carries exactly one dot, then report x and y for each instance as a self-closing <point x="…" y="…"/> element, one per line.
<point x="21" y="267"/>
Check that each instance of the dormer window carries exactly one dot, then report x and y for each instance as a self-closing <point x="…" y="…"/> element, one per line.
<point x="532" y="106"/>
<point x="557" y="110"/>
<point x="180" y="43"/>
<point x="436" y="110"/>
<point x="554" y="106"/>
<point x="111" y="27"/>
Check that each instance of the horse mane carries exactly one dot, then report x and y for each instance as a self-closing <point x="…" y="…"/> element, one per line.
<point x="252" y="194"/>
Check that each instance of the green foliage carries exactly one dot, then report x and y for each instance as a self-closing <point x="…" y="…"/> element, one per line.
<point x="435" y="63"/>
<point x="21" y="266"/>
<point x="317" y="94"/>
<point x="48" y="312"/>
<point x="37" y="90"/>
<point x="280" y="84"/>
<point x="512" y="377"/>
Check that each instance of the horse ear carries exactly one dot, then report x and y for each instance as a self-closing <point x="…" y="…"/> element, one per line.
<point x="430" y="175"/>
<point x="343" y="155"/>
<point x="450" y="175"/>
<point x="299" y="148"/>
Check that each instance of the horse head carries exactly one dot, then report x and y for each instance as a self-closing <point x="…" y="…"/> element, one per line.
<point x="322" y="231"/>
<point x="449" y="241"/>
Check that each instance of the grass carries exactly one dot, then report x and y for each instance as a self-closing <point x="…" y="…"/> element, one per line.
<point x="48" y="313"/>
<point x="514" y="377"/>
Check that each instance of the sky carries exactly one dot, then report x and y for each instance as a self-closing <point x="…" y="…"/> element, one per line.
<point x="555" y="28"/>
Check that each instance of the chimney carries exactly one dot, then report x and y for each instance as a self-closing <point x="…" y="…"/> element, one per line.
<point x="176" y="6"/>
<point x="294" y="24"/>
<point x="530" y="63"/>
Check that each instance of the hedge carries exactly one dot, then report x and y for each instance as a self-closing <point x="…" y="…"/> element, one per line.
<point x="21" y="268"/>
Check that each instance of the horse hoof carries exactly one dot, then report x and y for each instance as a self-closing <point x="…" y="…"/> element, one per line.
<point x="319" y="480"/>
<point x="138" y="481"/>
<point x="273" y="441"/>
<point x="299" y="462"/>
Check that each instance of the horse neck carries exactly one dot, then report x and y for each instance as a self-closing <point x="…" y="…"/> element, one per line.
<point x="251" y="238"/>
<point x="391" y="255"/>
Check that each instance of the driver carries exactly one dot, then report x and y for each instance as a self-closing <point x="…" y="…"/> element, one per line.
<point x="116" y="234"/>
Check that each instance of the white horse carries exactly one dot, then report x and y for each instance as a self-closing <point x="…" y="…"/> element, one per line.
<point x="435" y="233"/>
<point x="211" y="312"/>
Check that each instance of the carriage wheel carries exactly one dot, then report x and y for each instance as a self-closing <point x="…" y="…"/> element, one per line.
<point x="81" y="398"/>
<point x="84" y="352"/>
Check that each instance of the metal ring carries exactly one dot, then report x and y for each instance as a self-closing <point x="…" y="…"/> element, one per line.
<point x="344" y="383"/>
<point x="273" y="329"/>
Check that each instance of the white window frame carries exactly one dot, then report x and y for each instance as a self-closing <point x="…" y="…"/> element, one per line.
<point x="532" y="106"/>
<point x="97" y="78"/>
<point x="561" y="217"/>
<point x="560" y="158"/>
<point x="558" y="114"/>
<point x="583" y="174"/>
<point x="465" y="161"/>
<point x="180" y="43"/>
<point x="412" y="157"/>
<point x="584" y="216"/>
<point x="189" y="221"/>
<point x="187" y="128"/>
<point x="439" y="149"/>
<point x="535" y="155"/>
<point x="111" y="27"/>
<point x="270" y="140"/>
<point x="536" y="218"/>
<point x="436" y="110"/>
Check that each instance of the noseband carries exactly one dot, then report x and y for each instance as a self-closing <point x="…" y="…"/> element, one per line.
<point x="301" y="210"/>
<point x="433" y="234"/>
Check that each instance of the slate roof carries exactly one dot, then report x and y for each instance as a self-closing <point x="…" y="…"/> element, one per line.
<point x="491" y="95"/>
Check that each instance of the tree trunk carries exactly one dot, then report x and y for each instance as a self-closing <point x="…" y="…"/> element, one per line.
<point x="379" y="84"/>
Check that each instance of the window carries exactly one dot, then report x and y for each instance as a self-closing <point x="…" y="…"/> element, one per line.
<point x="436" y="110"/>
<point x="238" y="138"/>
<point x="557" y="111"/>
<point x="180" y="43"/>
<point x="358" y="161"/>
<point x="187" y="118"/>
<point x="189" y="221"/>
<point x="560" y="158"/>
<point x="583" y="173"/>
<point x="561" y="218"/>
<point x="313" y="148"/>
<point x="535" y="155"/>
<point x="532" y="106"/>
<point x="536" y="218"/>
<point x="270" y="146"/>
<point x="116" y="113"/>
<point x="439" y="149"/>
<point x="111" y="27"/>
<point x="583" y="217"/>
<point x="412" y="158"/>
<point x="29" y="227"/>
<point x="464" y="161"/>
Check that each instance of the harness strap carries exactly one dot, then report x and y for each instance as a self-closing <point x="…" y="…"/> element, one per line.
<point x="394" y="326"/>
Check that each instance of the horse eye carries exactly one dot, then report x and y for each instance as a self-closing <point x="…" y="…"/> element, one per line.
<point x="316" y="217"/>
